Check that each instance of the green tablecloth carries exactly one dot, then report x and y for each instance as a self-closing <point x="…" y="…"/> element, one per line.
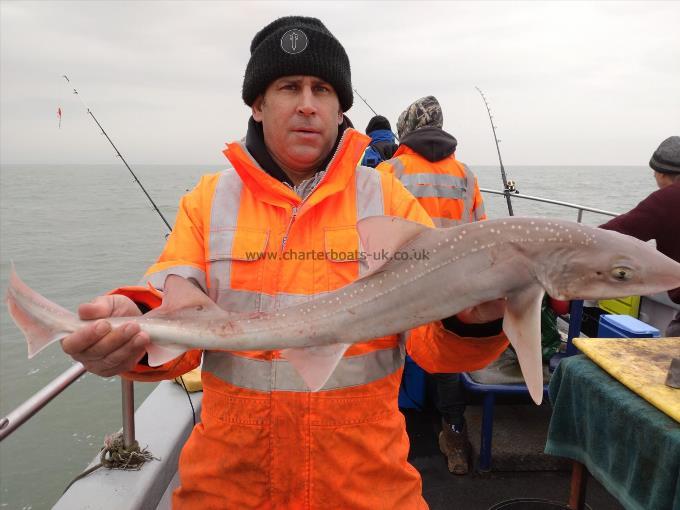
<point x="629" y="446"/>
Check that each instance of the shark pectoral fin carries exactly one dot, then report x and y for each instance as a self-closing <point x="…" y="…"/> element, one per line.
<point x="160" y="354"/>
<point x="382" y="236"/>
<point x="522" y="325"/>
<point x="315" y="364"/>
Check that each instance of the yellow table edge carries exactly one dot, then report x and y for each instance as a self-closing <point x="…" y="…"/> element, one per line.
<point x="610" y="354"/>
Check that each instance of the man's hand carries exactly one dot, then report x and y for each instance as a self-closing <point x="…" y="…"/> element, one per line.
<point x="484" y="312"/>
<point x="103" y="350"/>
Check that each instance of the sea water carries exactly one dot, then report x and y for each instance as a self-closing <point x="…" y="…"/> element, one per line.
<point x="77" y="231"/>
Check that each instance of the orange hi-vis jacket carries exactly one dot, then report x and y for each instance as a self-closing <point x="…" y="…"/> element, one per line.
<point x="265" y="441"/>
<point x="447" y="189"/>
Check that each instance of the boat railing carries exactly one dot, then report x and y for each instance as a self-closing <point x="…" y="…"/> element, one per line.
<point x="578" y="207"/>
<point x="40" y="399"/>
<point x="30" y="407"/>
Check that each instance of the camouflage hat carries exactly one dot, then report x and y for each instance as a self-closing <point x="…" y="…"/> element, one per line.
<point x="422" y="113"/>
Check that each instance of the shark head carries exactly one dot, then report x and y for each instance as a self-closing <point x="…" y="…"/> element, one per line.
<point x="603" y="264"/>
<point x="572" y="261"/>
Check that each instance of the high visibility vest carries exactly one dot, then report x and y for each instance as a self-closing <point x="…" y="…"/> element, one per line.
<point x="265" y="441"/>
<point x="447" y="189"/>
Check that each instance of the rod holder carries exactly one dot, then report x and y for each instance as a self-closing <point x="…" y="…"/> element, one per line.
<point x="128" y="400"/>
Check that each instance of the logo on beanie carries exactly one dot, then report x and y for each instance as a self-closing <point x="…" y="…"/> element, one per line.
<point x="294" y="41"/>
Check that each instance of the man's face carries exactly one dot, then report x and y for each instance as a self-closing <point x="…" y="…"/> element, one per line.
<point x="300" y="117"/>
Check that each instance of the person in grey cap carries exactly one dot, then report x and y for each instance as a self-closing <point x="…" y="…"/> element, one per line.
<point x="658" y="216"/>
<point x="257" y="238"/>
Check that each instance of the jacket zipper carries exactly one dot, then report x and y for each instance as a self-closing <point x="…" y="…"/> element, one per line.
<point x="290" y="224"/>
<point x="296" y="209"/>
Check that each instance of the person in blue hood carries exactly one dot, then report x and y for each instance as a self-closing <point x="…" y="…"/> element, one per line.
<point x="382" y="145"/>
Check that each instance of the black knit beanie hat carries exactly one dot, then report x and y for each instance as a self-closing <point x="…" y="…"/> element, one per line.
<point x="666" y="159"/>
<point x="378" y="122"/>
<point x="297" y="45"/>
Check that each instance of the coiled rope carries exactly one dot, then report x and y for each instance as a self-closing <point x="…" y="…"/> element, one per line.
<point x="114" y="455"/>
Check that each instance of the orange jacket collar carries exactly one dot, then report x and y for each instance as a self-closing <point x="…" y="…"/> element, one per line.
<point x="405" y="149"/>
<point x="267" y="188"/>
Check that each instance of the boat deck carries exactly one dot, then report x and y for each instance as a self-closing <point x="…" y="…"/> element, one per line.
<point x="519" y="468"/>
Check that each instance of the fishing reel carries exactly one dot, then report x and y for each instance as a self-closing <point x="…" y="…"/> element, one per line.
<point x="511" y="188"/>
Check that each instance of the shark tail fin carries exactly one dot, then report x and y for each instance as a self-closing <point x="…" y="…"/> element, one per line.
<point x="41" y="321"/>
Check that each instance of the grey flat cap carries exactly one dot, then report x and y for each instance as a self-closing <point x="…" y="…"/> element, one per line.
<point x="666" y="159"/>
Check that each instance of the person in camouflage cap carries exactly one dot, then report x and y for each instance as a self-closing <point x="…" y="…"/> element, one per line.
<point x="426" y="111"/>
<point x="426" y="165"/>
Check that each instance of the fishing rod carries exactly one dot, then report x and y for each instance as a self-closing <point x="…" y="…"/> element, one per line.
<point x="365" y="102"/>
<point x="89" y="112"/>
<point x="374" y="112"/>
<point x="508" y="186"/>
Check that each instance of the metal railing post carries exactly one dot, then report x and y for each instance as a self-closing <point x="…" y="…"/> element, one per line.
<point x="575" y="323"/>
<point x="128" y="399"/>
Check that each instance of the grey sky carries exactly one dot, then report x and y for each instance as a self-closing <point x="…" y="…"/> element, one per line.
<point x="570" y="83"/>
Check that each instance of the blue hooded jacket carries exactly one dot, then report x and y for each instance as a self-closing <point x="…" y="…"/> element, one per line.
<point x="382" y="147"/>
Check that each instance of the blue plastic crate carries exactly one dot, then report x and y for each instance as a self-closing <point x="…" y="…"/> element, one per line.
<point x="412" y="389"/>
<point x="625" y="326"/>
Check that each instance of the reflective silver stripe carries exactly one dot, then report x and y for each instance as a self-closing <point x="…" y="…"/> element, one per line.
<point x="223" y="217"/>
<point x="479" y="213"/>
<point x="157" y="279"/>
<point x="244" y="301"/>
<point x="248" y="301"/>
<point x="279" y="374"/>
<point x="369" y="197"/>
<point x="285" y="299"/>
<point x="426" y="179"/>
<point x="369" y="201"/>
<point x="446" y="222"/>
<point x="397" y="167"/>
<point x="437" y="192"/>
<point x="470" y="193"/>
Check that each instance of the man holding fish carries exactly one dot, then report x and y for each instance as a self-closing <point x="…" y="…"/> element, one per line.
<point x="265" y="440"/>
<point x="274" y="276"/>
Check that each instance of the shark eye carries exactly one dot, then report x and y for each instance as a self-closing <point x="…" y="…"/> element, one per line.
<point x="622" y="274"/>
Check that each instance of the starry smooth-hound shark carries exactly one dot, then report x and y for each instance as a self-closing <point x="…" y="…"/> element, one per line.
<point x="421" y="275"/>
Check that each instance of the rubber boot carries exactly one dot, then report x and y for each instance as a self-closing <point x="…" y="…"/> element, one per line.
<point x="456" y="446"/>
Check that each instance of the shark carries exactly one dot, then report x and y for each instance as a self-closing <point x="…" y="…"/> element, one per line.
<point x="412" y="275"/>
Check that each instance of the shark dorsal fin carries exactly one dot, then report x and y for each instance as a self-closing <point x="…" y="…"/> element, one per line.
<point x="382" y="236"/>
